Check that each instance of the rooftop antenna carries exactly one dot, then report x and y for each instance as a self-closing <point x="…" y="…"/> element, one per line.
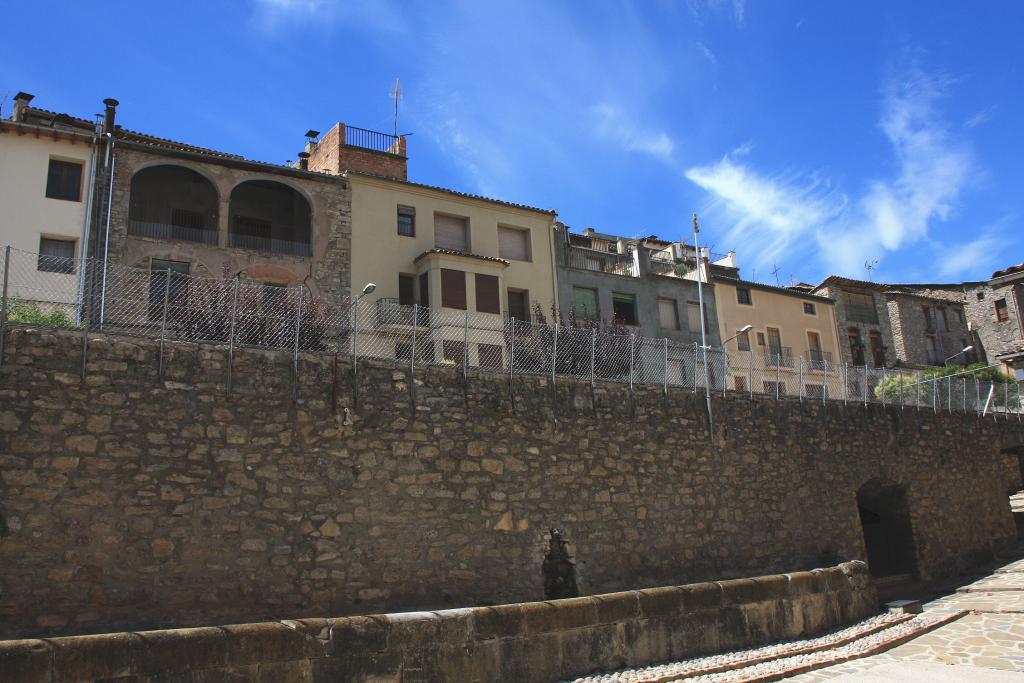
<point x="870" y="266"/>
<point x="396" y="94"/>
<point x="775" y="272"/>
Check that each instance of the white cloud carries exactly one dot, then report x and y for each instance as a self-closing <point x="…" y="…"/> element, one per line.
<point x="803" y="215"/>
<point x="708" y="54"/>
<point x="273" y="16"/>
<point x="612" y="123"/>
<point x="983" y="116"/>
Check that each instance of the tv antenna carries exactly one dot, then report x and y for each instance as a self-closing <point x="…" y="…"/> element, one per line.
<point x="396" y="94"/>
<point x="775" y="272"/>
<point x="870" y="266"/>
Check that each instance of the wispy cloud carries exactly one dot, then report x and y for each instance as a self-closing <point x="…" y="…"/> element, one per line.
<point x="803" y="215"/>
<point x="276" y="16"/>
<point x="612" y="123"/>
<point x="981" y="254"/>
<point x="706" y="51"/>
<point x="983" y="116"/>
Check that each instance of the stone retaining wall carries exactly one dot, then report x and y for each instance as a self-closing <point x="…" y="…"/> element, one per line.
<point x="139" y="502"/>
<point x="537" y="641"/>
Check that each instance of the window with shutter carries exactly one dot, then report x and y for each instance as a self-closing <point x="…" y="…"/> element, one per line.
<point x="514" y="244"/>
<point x="487" y="299"/>
<point x="453" y="289"/>
<point x="64" y="180"/>
<point x="518" y="304"/>
<point x="405" y="290"/>
<point x="584" y="303"/>
<point x="668" y="316"/>
<point x="451" y="232"/>
<point x="56" y="256"/>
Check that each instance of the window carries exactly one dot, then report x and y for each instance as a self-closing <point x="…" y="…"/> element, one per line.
<point x="159" y="271"/>
<point x="668" y="314"/>
<point x="739" y="383"/>
<point x="487" y="297"/>
<point x="760" y="339"/>
<point x="518" y="304"/>
<point x="743" y="340"/>
<point x="818" y="391"/>
<point x="56" y="256"/>
<point x="980" y="296"/>
<point x="693" y="316"/>
<point x="453" y="289"/>
<point x="451" y="232"/>
<point x="856" y="346"/>
<point x="772" y="387"/>
<point x="624" y="308"/>
<point x="489" y="355"/>
<point x="931" y="351"/>
<point x="64" y="180"/>
<point x="406" y="293"/>
<point x="584" y="303"/>
<point x="774" y="340"/>
<point x="929" y="319"/>
<point x="814" y="346"/>
<point x="425" y="290"/>
<point x="945" y="320"/>
<point x="743" y="296"/>
<point x="453" y="352"/>
<point x="406" y="221"/>
<point x="877" y="350"/>
<point x="1002" y="314"/>
<point x="809" y="308"/>
<point x="860" y="307"/>
<point x="514" y="244"/>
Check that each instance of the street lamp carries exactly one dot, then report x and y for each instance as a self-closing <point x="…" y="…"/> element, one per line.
<point x="964" y="350"/>
<point x="366" y="290"/>
<point x="746" y="328"/>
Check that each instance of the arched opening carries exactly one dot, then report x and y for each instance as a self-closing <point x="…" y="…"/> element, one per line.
<point x="270" y="216"/>
<point x="173" y="203"/>
<point x="885" y="519"/>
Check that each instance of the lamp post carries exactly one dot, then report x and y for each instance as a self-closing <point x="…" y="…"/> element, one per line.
<point x="744" y="330"/>
<point x="369" y="287"/>
<point x="945" y="363"/>
<point x="703" y="332"/>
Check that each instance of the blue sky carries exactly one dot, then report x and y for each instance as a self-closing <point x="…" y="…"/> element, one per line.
<point x="813" y="136"/>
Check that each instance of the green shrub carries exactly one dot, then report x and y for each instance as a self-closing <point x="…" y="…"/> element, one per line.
<point x="28" y="312"/>
<point x="889" y="388"/>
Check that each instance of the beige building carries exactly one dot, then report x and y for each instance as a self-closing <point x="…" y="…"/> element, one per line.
<point x="45" y="171"/>
<point x="455" y="253"/>
<point x="792" y="336"/>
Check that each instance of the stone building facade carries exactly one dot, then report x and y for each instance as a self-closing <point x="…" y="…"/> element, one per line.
<point x="137" y="501"/>
<point x="862" y="315"/>
<point x="996" y="310"/>
<point x="927" y="330"/>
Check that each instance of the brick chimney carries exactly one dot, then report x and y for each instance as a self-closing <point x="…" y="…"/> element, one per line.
<point x="346" y="148"/>
<point x="21" y="101"/>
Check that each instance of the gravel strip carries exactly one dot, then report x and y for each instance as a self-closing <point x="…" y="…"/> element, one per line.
<point x="702" y="666"/>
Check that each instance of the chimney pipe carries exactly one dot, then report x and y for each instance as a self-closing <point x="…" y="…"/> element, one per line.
<point x="304" y="161"/>
<point x="21" y="101"/>
<point x="108" y="115"/>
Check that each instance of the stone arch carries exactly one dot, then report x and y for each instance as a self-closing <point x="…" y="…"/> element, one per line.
<point x="173" y="202"/>
<point x="270" y="216"/>
<point x="888" y="534"/>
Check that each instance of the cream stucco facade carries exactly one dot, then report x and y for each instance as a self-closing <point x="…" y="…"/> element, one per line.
<point x="27" y="215"/>
<point x="787" y="325"/>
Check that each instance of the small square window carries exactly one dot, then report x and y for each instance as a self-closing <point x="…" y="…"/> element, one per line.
<point x="980" y="295"/>
<point x="1002" y="313"/>
<point x="809" y="309"/>
<point x="56" y="256"/>
<point x="64" y="180"/>
<point x="407" y="221"/>
<point x="624" y="308"/>
<point x="743" y="296"/>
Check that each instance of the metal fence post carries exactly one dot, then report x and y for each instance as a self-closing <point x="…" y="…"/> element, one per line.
<point x="778" y="375"/>
<point x="883" y="385"/>
<point x="355" y="335"/>
<point x="965" y="395"/>
<point x="412" y="352"/>
<point x="231" y="335"/>
<point x="935" y="393"/>
<point x="632" y="346"/>
<point x="465" y="347"/>
<point x="917" y="398"/>
<point x="800" y="377"/>
<point x="977" y="394"/>
<point x="949" y="394"/>
<point x="865" y="385"/>
<point x="695" y="367"/>
<point x="750" y="372"/>
<point x="295" y="351"/>
<point x="846" y="382"/>
<point x="511" y="354"/>
<point x="3" y="312"/>
<point x="664" y="388"/>
<point x="593" y="355"/>
<point x="1018" y="403"/>
<point x="901" y="388"/>
<point x="554" y="355"/>
<point x="163" y="321"/>
<point x="1006" y="401"/>
<point x="824" y="380"/>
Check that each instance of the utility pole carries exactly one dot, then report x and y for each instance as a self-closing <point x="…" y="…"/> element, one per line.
<point x="703" y="332"/>
<point x="397" y="95"/>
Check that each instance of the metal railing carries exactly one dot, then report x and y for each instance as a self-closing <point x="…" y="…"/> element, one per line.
<point x="166" y="231"/>
<point x="267" y="244"/>
<point x="168" y="306"/>
<point x="582" y="258"/>
<point x="372" y="140"/>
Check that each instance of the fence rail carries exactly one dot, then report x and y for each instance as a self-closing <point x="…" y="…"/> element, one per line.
<point x="169" y="305"/>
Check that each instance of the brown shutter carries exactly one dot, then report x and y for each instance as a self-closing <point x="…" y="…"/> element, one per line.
<point x="513" y="244"/>
<point x="453" y="289"/>
<point x="487" y="300"/>
<point x="451" y="232"/>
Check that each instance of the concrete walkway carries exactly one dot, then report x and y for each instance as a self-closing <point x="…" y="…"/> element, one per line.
<point x="986" y="645"/>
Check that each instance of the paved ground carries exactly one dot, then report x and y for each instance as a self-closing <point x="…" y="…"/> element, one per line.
<point x="986" y="645"/>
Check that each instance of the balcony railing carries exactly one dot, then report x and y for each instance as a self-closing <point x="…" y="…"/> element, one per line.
<point x="391" y="312"/>
<point x="373" y="140"/>
<point x="166" y="231"/>
<point x="274" y="246"/>
<point x="581" y="258"/>
<point x="819" y="360"/>
<point x="781" y="356"/>
<point x="861" y="313"/>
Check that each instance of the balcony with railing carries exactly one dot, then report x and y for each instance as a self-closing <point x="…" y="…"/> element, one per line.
<point x="780" y="356"/>
<point x="373" y="140"/>
<point x="168" y="231"/>
<point x="270" y="245"/>
<point x="819" y="360"/>
<point x="861" y="313"/>
<point x="582" y="258"/>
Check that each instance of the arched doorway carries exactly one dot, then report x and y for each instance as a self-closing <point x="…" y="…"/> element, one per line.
<point x="173" y="203"/>
<point x="271" y="217"/>
<point x="885" y="520"/>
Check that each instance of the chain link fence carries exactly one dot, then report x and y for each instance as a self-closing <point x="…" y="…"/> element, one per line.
<point x="167" y="304"/>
